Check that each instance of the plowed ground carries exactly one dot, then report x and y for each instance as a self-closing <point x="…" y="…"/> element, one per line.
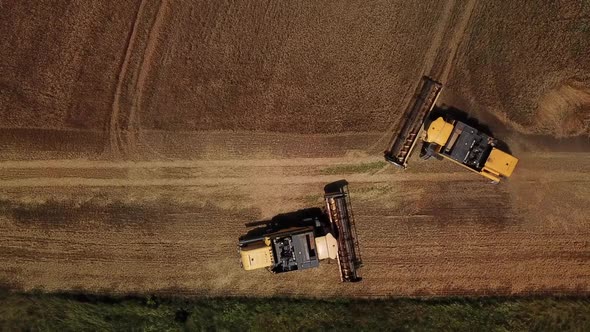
<point x="138" y="138"/>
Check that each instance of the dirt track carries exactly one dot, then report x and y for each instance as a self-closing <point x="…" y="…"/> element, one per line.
<point x="137" y="147"/>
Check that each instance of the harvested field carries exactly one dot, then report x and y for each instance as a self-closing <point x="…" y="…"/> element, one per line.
<point x="172" y="227"/>
<point x="139" y="138"/>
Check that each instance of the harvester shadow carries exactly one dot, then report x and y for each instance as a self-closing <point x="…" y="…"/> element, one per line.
<point x="299" y="218"/>
<point x="335" y="186"/>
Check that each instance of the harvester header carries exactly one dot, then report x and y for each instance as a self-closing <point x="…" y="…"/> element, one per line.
<point x="339" y="211"/>
<point x="409" y="132"/>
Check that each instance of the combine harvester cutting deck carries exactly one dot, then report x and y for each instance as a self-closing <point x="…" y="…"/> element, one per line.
<point x="448" y="138"/>
<point x="405" y="141"/>
<point x="340" y="213"/>
<point x="300" y="240"/>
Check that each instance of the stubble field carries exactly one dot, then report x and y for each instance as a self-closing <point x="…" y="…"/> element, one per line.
<point x="139" y="138"/>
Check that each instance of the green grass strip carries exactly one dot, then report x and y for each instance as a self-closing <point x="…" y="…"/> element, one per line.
<point x="356" y="168"/>
<point x="68" y="312"/>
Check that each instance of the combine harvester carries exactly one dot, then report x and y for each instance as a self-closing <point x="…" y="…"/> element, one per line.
<point x="447" y="138"/>
<point x="300" y="240"/>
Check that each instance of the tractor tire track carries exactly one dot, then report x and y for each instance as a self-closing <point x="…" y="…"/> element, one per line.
<point x="84" y="173"/>
<point x="124" y="125"/>
<point x="134" y="124"/>
<point x="98" y="180"/>
<point x="457" y="39"/>
<point x="440" y="52"/>
<point x="434" y="51"/>
<point x="429" y="61"/>
<point x="116" y="145"/>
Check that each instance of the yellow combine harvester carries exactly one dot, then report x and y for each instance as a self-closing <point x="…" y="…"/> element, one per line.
<point x="448" y="138"/>
<point x="300" y="240"/>
<point x="468" y="147"/>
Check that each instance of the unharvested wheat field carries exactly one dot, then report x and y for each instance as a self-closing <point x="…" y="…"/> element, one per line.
<point x="139" y="137"/>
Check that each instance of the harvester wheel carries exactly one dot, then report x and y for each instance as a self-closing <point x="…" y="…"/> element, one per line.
<point x="425" y="156"/>
<point x="427" y="151"/>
